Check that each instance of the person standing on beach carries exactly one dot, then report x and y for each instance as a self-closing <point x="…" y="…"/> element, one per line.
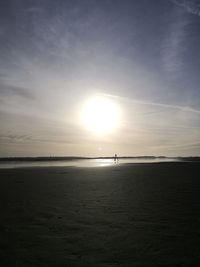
<point x="115" y="158"/>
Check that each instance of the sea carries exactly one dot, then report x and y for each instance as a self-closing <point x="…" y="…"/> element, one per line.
<point x="83" y="162"/>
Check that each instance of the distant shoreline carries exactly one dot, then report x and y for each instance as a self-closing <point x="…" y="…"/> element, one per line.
<point x="28" y="159"/>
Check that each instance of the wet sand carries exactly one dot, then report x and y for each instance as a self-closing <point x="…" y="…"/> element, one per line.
<point x="123" y="215"/>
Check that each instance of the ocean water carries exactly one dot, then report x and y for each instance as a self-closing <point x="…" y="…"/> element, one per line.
<point x="80" y="162"/>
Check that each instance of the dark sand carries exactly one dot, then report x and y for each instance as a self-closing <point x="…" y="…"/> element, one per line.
<point x="129" y="215"/>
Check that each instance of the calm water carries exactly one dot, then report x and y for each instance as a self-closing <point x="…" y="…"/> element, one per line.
<point x="80" y="162"/>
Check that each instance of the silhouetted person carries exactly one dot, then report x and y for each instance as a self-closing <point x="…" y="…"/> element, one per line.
<point x="115" y="158"/>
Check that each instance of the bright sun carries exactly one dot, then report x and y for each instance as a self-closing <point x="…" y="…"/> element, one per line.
<point x="100" y="115"/>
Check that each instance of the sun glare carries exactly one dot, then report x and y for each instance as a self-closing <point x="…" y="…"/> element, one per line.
<point x="100" y="115"/>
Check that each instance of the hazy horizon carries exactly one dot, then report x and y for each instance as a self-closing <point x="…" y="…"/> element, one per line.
<point x="141" y="56"/>
<point x="71" y="157"/>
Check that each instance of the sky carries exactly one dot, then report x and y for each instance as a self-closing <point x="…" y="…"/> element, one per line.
<point x="142" y="55"/>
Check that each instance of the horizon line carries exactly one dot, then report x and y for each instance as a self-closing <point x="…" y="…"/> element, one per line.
<point x="90" y="157"/>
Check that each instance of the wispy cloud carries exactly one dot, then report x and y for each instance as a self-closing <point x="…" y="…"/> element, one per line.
<point x="191" y="6"/>
<point x="10" y="90"/>
<point x="174" y="43"/>
<point x="149" y="103"/>
<point x="172" y="128"/>
<point x="15" y="137"/>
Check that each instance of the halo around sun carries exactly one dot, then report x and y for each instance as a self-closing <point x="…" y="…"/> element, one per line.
<point x="100" y="115"/>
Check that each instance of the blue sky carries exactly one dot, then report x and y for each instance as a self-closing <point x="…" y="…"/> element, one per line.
<point x="144" y="55"/>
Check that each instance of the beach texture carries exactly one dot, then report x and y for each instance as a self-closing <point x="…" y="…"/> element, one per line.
<point x="123" y="215"/>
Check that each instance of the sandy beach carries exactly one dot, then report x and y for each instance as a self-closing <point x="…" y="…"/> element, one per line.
<point x="123" y="215"/>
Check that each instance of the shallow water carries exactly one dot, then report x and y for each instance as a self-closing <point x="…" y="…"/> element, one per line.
<point x="80" y="162"/>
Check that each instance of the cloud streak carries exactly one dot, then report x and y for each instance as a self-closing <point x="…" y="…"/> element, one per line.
<point x="174" y="44"/>
<point x="191" y="6"/>
<point x="10" y="90"/>
<point x="156" y="104"/>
